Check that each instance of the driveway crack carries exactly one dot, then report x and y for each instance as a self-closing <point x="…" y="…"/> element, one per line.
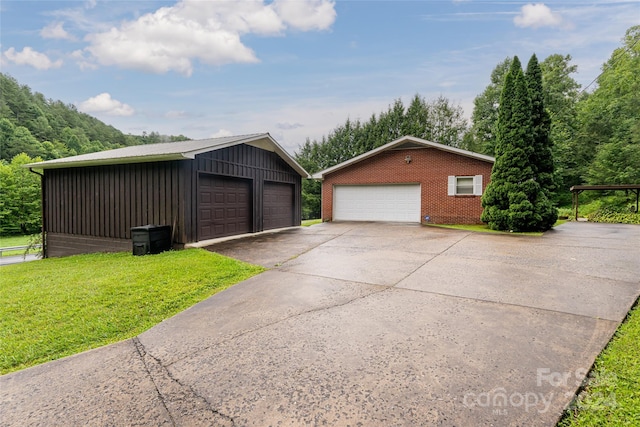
<point x="383" y="288"/>
<point x="432" y="258"/>
<point x="333" y="237"/>
<point x="142" y="353"/>
<point x="183" y="404"/>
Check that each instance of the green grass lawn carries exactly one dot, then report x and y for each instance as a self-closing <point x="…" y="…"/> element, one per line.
<point x="612" y="394"/>
<point x="55" y="307"/>
<point x="6" y="241"/>
<point x="9" y="241"/>
<point x="483" y="228"/>
<point x="308" y="222"/>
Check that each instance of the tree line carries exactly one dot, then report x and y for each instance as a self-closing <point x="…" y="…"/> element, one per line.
<point x="594" y="135"/>
<point x="593" y="132"/>
<point x="437" y="120"/>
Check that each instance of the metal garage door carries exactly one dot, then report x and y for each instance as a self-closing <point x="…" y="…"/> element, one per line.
<point x="224" y="206"/>
<point x="398" y="202"/>
<point x="278" y="205"/>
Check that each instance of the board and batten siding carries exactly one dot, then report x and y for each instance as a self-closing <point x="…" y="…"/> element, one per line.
<point x="95" y="207"/>
<point x="92" y="209"/>
<point x="245" y="161"/>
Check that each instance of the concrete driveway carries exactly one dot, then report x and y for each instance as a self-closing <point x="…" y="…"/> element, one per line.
<point x="362" y="324"/>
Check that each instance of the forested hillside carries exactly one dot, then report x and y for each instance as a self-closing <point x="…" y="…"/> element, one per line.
<point x="34" y="128"/>
<point x="41" y="127"/>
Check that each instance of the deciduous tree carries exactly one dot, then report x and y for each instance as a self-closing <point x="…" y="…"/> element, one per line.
<point x="610" y="119"/>
<point x="20" y="202"/>
<point x="482" y="135"/>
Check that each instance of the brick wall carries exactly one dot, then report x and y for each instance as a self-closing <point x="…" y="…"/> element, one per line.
<point x="429" y="167"/>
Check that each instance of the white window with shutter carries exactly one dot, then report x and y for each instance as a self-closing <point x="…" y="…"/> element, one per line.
<point x="464" y="185"/>
<point x="451" y="191"/>
<point x="477" y="185"/>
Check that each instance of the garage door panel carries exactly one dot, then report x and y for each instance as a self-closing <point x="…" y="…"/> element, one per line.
<point x="224" y="206"/>
<point x="278" y="205"/>
<point x="394" y="203"/>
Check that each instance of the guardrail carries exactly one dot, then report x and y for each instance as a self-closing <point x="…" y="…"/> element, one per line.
<point x="18" y="248"/>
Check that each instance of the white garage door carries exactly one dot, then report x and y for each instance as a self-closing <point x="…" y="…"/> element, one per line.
<point x="398" y="203"/>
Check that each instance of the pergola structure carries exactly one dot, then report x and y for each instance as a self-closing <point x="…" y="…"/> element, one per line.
<point x="577" y="189"/>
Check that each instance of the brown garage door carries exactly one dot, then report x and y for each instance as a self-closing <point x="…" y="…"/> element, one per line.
<point x="224" y="206"/>
<point x="278" y="205"/>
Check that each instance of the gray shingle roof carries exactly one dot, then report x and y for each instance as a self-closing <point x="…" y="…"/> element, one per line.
<point x="169" y="151"/>
<point x="403" y="142"/>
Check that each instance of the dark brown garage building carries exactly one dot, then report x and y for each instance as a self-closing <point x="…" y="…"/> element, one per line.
<point x="203" y="189"/>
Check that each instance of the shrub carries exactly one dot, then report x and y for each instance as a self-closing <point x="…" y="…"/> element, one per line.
<point x="565" y="213"/>
<point x="613" y="215"/>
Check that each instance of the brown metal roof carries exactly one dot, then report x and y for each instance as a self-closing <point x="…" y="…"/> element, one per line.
<point x="605" y="187"/>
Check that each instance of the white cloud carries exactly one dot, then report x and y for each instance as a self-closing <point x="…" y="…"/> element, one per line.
<point x="175" y="114"/>
<point x="104" y="104"/>
<point x="221" y="133"/>
<point x="536" y="16"/>
<point x="288" y="126"/>
<point x="319" y="116"/>
<point x="30" y="57"/>
<point x="306" y="15"/>
<point x="171" y="38"/>
<point x="56" y="30"/>
<point x="82" y="61"/>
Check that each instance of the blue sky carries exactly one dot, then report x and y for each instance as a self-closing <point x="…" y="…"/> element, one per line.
<point x="293" y="68"/>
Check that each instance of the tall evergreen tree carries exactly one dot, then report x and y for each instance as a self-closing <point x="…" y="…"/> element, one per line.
<point x="513" y="199"/>
<point x="541" y="159"/>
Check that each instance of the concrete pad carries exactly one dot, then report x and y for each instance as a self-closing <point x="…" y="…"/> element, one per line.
<point x="588" y="259"/>
<point x="479" y="331"/>
<point x="622" y="234"/>
<point x="389" y="229"/>
<point x="427" y="243"/>
<point x="399" y="357"/>
<point x="106" y="386"/>
<point x="544" y="288"/>
<point x="272" y="249"/>
<point x="357" y="264"/>
<point x="334" y="227"/>
<point x="260" y="301"/>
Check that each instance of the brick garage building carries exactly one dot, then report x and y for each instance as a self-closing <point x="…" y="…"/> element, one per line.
<point x="407" y="180"/>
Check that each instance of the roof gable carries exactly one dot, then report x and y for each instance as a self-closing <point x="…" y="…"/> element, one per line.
<point x="405" y="142"/>
<point x="165" y="151"/>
